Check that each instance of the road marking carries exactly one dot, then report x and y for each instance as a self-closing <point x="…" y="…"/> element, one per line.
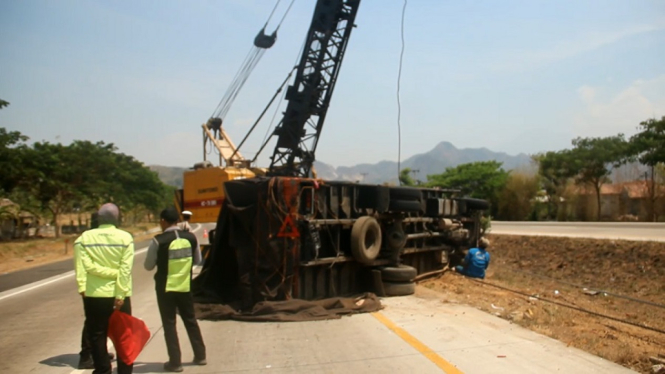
<point x="41" y="283"/>
<point x="444" y="365"/>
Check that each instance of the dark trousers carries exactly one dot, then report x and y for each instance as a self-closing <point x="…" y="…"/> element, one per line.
<point x="184" y="302"/>
<point x="98" y="310"/>
<point x="86" y="347"/>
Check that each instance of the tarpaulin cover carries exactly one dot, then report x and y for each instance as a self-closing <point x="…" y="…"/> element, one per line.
<point x="253" y="265"/>
<point x="245" y="265"/>
<point x="293" y="310"/>
<point x="128" y="334"/>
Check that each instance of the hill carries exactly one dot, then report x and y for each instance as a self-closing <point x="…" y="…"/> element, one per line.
<point x="435" y="161"/>
<point x="169" y="174"/>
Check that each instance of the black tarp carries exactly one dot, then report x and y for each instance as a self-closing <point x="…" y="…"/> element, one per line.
<point x="250" y="271"/>
<point x="294" y="310"/>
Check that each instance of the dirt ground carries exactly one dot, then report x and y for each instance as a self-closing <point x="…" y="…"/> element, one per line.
<point x="23" y="254"/>
<point x="539" y="283"/>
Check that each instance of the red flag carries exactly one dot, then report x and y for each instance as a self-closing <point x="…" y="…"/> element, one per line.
<point x="128" y="334"/>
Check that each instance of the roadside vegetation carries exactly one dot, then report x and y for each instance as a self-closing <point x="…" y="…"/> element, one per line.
<point x="41" y="182"/>
<point x="23" y="254"/>
<point x="565" y="180"/>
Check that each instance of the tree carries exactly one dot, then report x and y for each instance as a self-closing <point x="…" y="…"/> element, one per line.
<point x="555" y="170"/>
<point x="12" y="150"/>
<point x="594" y="158"/>
<point x="3" y="103"/>
<point x="51" y="179"/>
<point x="405" y="177"/>
<point x="86" y="174"/>
<point x="516" y="200"/>
<point x="483" y="180"/>
<point x="648" y="145"/>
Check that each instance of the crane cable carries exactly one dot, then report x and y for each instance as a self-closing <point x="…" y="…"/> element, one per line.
<point x="399" y="104"/>
<point x="261" y="42"/>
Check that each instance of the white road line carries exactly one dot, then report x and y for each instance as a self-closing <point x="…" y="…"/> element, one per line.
<point x="35" y="285"/>
<point x="41" y="283"/>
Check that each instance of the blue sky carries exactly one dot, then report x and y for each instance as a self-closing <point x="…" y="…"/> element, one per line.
<point x="511" y="76"/>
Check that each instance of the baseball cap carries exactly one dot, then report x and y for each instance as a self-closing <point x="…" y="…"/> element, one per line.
<point x="169" y="214"/>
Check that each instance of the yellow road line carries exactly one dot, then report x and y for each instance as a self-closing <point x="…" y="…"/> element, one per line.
<point x="444" y="365"/>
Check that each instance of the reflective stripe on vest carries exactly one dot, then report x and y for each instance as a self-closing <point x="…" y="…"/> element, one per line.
<point x="180" y="265"/>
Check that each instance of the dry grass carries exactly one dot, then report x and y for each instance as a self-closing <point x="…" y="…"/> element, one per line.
<point x="24" y="254"/>
<point x="594" y="263"/>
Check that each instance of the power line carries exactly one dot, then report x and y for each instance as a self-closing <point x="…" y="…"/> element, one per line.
<point x="399" y="104"/>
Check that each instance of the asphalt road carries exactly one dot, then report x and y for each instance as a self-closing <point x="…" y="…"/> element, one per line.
<point x="22" y="277"/>
<point x="41" y="325"/>
<point x="598" y="230"/>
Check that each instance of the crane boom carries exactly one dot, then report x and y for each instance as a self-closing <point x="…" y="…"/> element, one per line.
<point x="309" y="97"/>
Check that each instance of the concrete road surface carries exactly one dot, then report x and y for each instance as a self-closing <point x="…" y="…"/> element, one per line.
<point x="41" y="325"/>
<point x="598" y="230"/>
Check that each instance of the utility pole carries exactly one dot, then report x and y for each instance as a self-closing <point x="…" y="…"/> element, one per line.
<point x="364" y="174"/>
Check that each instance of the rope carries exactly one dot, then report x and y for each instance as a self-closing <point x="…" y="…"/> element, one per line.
<point x="399" y="104"/>
<point x="654" y="329"/>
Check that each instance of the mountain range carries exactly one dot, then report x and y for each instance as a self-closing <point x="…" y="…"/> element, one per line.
<point x="435" y="161"/>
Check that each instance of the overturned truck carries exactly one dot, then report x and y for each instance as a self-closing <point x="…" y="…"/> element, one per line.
<point x="283" y="238"/>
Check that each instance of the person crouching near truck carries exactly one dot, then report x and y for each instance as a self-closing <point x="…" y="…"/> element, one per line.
<point x="476" y="261"/>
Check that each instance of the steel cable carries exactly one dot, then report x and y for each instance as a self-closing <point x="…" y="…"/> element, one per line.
<point x="654" y="329"/>
<point x="593" y="289"/>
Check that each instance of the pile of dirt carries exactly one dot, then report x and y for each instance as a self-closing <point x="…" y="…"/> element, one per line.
<point x="582" y="292"/>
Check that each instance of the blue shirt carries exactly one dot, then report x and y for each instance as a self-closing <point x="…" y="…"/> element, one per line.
<point x="476" y="261"/>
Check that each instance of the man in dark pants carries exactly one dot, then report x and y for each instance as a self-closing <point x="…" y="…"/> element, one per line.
<point x="85" y="356"/>
<point x="103" y="259"/>
<point x="174" y="251"/>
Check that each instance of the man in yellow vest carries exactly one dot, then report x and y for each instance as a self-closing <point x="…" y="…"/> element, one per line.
<point x="174" y="251"/>
<point x="103" y="259"/>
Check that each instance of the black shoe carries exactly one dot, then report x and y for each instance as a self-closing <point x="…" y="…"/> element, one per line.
<point x="168" y="366"/>
<point x="86" y="364"/>
<point x="200" y="361"/>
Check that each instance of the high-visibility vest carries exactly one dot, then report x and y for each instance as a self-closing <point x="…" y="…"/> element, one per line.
<point x="179" y="274"/>
<point x="103" y="259"/>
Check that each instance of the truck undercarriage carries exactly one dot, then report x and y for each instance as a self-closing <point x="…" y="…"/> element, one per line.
<point x="281" y="238"/>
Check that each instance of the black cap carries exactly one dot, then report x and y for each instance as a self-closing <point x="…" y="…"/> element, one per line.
<point x="170" y="215"/>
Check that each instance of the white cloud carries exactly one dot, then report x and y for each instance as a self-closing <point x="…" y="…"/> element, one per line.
<point x="605" y="113"/>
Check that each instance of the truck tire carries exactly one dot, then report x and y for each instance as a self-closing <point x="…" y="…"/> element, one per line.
<point x="399" y="289"/>
<point x="405" y="206"/>
<point x="406" y="193"/>
<point x="400" y="273"/>
<point x="365" y="239"/>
